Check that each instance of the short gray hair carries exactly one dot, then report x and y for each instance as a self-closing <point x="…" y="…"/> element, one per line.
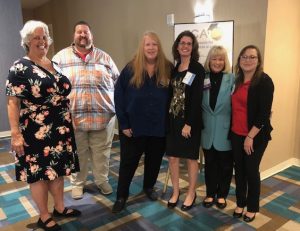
<point x="28" y="30"/>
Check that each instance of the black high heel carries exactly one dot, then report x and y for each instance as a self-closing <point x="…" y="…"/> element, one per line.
<point x="238" y="215"/>
<point x="208" y="204"/>
<point x="248" y="219"/>
<point x="172" y="205"/>
<point x="188" y="207"/>
<point x="221" y="205"/>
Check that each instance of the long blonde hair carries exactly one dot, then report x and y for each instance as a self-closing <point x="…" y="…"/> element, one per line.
<point x="162" y="65"/>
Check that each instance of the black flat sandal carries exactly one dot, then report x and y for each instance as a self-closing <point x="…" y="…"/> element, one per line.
<point x="74" y="213"/>
<point x="44" y="226"/>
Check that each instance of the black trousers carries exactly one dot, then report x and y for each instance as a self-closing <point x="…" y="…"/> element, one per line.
<point x="131" y="151"/>
<point x="247" y="175"/>
<point x="218" y="172"/>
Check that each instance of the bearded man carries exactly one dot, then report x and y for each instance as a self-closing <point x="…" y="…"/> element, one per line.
<point x="92" y="73"/>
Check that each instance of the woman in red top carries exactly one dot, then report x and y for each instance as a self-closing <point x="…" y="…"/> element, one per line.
<point x="251" y="128"/>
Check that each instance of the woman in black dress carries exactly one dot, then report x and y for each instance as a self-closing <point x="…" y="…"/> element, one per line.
<point x="42" y="136"/>
<point x="185" y="123"/>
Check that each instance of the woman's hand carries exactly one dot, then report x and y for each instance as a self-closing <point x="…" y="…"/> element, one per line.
<point x="127" y="132"/>
<point x="17" y="140"/>
<point x="17" y="144"/>
<point x="186" y="131"/>
<point x="248" y="145"/>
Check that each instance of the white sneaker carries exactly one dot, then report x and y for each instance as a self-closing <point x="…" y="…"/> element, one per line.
<point x="105" y="188"/>
<point x="77" y="192"/>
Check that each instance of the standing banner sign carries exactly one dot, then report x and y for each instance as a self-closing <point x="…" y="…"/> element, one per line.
<point x="210" y="34"/>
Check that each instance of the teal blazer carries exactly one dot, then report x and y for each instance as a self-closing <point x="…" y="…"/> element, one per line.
<point x="217" y="123"/>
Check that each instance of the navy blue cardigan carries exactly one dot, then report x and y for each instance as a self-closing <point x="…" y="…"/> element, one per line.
<point x="143" y="109"/>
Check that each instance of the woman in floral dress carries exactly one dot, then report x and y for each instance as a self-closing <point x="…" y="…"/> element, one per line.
<point x="42" y="137"/>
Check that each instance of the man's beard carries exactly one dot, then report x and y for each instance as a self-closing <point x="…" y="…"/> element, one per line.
<point x="86" y="46"/>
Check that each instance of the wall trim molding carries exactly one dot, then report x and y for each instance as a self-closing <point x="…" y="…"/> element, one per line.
<point x="279" y="167"/>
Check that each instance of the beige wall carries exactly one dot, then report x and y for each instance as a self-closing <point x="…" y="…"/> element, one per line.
<point x="27" y="14"/>
<point x="297" y="136"/>
<point x="117" y="26"/>
<point x="282" y="63"/>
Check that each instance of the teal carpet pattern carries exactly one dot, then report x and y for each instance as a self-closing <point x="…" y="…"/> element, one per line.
<point x="280" y="204"/>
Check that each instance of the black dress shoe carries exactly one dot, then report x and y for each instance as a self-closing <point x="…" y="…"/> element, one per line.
<point x="248" y="219"/>
<point x="221" y="205"/>
<point x="237" y="215"/>
<point x="119" y="205"/>
<point x="172" y="205"/>
<point x="74" y="213"/>
<point x="188" y="207"/>
<point x="207" y="204"/>
<point x="151" y="194"/>
<point x="44" y="226"/>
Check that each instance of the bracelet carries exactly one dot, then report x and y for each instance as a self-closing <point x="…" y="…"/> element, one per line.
<point x="250" y="137"/>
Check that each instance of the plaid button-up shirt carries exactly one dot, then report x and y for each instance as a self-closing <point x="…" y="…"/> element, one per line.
<point x="92" y="79"/>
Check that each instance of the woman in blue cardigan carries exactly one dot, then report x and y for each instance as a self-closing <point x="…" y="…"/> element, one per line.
<point x="216" y="114"/>
<point x="141" y="101"/>
<point x="251" y="110"/>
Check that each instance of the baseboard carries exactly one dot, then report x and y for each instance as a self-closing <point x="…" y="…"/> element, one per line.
<point x="4" y="134"/>
<point x="277" y="168"/>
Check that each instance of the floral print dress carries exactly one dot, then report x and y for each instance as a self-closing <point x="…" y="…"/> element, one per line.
<point x="45" y="122"/>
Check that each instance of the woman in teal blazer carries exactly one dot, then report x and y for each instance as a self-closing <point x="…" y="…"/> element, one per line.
<point x="216" y="114"/>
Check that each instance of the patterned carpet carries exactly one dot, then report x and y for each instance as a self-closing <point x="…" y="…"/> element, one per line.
<point x="280" y="204"/>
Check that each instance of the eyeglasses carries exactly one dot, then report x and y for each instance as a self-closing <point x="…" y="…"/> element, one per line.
<point x="245" y="57"/>
<point x="184" y="43"/>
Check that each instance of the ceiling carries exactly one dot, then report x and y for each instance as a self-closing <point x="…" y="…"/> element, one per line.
<point x="32" y="4"/>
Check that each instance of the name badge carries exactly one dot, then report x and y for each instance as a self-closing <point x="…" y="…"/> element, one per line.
<point x="188" y="78"/>
<point x="206" y="84"/>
